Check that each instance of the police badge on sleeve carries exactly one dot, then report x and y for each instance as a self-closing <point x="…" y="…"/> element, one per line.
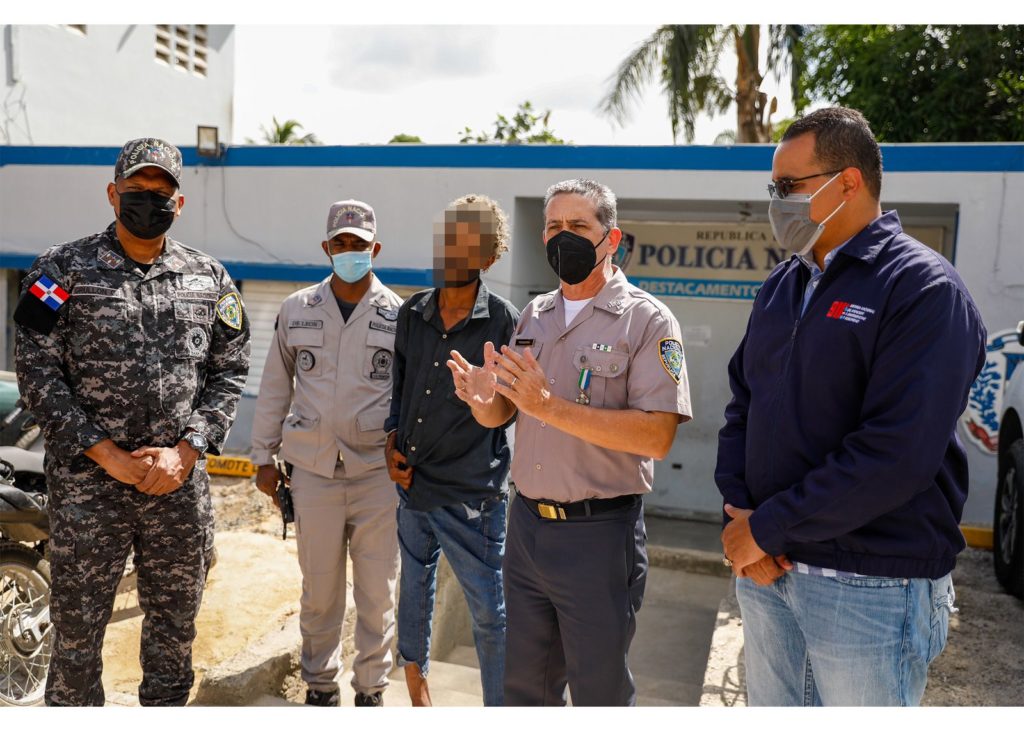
<point x="229" y="310"/>
<point x="671" y="352"/>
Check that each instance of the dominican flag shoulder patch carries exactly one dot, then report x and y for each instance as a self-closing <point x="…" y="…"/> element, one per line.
<point x="49" y="292"/>
<point x="38" y="309"/>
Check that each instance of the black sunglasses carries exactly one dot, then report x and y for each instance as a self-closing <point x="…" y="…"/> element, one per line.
<point x="784" y="186"/>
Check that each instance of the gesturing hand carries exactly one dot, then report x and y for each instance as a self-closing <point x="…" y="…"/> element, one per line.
<point x="473" y="384"/>
<point x="527" y="386"/>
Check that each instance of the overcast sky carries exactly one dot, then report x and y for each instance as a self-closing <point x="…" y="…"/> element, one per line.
<point x="364" y="84"/>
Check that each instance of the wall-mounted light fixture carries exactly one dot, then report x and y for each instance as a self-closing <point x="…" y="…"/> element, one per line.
<point x="207" y="142"/>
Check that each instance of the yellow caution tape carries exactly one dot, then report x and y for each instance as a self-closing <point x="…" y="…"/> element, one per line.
<point x="231" y="466"/>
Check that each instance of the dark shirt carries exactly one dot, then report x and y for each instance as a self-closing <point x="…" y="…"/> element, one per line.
<point x="347" y="308"/>
<point x="454" y="459"/>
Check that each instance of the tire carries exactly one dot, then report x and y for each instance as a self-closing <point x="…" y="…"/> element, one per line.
<point x="1008" y="521"/>
<point x="24" y="594"/>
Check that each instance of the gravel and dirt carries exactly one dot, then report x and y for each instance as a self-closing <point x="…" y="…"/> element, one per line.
<point x="257" y="581"/>
<point x="983" y="663"/>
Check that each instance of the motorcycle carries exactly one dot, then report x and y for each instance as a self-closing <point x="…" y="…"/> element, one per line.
<point x="26" y="634"/>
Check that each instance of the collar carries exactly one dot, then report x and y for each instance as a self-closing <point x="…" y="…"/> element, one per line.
<point x="111" y="254"/>
<point x="868" y="243"/>
<point x="375" y="296"/>
<point x="427" y="306"/>
<point x="812" y="266"/>
<point x="611" y="298"/>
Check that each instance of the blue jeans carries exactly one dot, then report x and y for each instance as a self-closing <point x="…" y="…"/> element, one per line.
<point x="472" y="536"/>
<point x="862" y="641"/>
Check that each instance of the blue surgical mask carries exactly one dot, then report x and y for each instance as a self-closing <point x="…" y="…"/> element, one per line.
<point x="352" y="266"/>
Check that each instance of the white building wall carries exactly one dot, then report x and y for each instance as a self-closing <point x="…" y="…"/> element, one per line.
<point x="104" y="87"/>
<point x="274" y="216"/>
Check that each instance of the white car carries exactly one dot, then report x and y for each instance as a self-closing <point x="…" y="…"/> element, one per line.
<point x="1008" y="521"/>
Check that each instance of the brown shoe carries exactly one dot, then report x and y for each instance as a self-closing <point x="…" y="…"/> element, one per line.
<point x="419" y="693"/>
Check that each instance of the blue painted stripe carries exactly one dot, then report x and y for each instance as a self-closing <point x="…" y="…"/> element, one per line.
<point x="897" y="158"/>
<point x="274" y="271"/>
<point x="699" y="288"/>
<point x="240" y="270"/>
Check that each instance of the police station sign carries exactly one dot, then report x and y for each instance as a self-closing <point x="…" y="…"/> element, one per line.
<point x="721" y="261"/>
<point x="725" y="261"/>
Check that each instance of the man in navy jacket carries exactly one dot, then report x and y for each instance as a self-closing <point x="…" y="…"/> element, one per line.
<point x="841" y="471"/>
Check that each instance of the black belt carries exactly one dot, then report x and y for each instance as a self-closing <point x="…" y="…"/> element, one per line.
<point x="551" y="510"/>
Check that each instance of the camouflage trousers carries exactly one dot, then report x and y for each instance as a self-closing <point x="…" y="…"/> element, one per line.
<point x="93" y="525"/>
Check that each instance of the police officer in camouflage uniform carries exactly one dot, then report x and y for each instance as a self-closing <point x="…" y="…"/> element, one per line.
<point x="132" y="351"/>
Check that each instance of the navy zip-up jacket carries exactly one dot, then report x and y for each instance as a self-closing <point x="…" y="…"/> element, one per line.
<point x="841" y="433"/>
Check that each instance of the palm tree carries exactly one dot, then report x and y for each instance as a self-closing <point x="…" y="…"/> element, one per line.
<point x="687" y="57"/>
<point x="285" y="133"/>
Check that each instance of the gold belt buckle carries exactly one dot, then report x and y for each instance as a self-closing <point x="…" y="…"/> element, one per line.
<point x="551" y="512"/>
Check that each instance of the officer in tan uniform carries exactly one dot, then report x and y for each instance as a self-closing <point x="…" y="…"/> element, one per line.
<point x="596" y="373"/>
<point x="324" y="396"/>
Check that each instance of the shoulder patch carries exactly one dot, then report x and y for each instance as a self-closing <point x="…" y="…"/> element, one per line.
<point x="229" y="310"/>
<point x="38" y="308"/>
<point x="388" y="313"/>
<point x="671" y="352"/>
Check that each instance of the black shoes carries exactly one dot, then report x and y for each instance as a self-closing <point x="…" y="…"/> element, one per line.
<point x="333" y="698"/>
<point x="373" y="699"/>
<point x="322" y="697"/>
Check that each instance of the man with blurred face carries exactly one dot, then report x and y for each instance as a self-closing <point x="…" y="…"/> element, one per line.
<point x="450" y="471"/>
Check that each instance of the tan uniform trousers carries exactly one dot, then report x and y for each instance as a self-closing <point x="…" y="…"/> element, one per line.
<point x="333" y="516"/>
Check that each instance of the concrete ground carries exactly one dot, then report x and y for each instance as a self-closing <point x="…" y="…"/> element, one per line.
<point x="246" y="651"/>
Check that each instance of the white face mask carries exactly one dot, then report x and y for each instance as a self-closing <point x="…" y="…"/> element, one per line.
<point x="791" y="220"/>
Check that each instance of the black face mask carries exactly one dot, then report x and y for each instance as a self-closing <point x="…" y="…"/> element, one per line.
<point x="146" y="214"/>
<point x="572" y="256"/>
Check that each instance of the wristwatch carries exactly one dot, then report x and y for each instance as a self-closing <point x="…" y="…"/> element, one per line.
<point x="197" y="441"/>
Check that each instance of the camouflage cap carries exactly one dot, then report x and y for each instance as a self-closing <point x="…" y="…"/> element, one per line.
<point x="351" y="217"/>
<point x="146" y="152"/>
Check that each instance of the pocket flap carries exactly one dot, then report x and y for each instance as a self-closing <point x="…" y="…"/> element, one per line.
<point x="298" y="421"/>
<point x="305" y="336"/>
<point x="607" y="364"/>
<point x="380" y="339"/>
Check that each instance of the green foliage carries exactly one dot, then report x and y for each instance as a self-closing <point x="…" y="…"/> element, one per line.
<point x="522" y="128"/>
<point x="284" y="133"/>
<point x="725" y="137"/>
<point x="685" y="61"/>
<point x="780" y="127"/>
<point x="402" y="137"/>
<point x="923" y="83"/>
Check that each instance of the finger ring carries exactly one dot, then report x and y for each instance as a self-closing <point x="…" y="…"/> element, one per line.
<point x="514" y="379"/>
<point x="727" y="561"/>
